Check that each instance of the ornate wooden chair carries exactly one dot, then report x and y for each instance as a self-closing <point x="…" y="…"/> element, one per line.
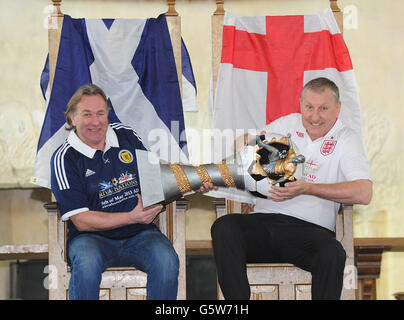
<point x="283" y="281"/>
<point x="117" y="283"/>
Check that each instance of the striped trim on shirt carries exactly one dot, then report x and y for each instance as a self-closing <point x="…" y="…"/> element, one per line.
<point x="118" y="125"/>
<point x="59" y="166"/>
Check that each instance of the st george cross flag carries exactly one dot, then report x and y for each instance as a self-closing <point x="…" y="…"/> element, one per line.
<point x="267" y="60"/>
<point x="132" y="60"/>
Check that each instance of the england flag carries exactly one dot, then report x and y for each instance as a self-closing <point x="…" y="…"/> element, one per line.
<point x="266" y="61"/>
<point x="132" y="60"/>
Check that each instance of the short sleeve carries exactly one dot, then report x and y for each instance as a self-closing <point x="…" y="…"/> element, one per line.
<point x="67" y="184"/>
<point x="354" y="161"/>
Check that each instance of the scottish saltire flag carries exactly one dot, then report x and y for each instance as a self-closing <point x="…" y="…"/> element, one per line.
<point x="132" y="60"/>
<point x="189" y="92"/>
<point x="267" y="60"/>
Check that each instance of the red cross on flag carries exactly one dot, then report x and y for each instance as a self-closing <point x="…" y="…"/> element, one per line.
<point x="267" y="60"/>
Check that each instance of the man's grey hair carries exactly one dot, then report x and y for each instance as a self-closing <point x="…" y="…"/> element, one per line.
<point x="85" y="90"/>
<point x="318" y="85"/>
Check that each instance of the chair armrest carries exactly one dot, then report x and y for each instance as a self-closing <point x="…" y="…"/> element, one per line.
<point x="52" y="208"/>
<point x="344" y="223"/>
<point x="57" y="233"/>
<point x="345" y="207"/>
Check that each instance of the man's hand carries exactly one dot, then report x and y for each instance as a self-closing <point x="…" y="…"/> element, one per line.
<point x="206" y="187"/>
<point x="350" y="192"/>
<point x="142" y="215"/>
<point x="289" y="191"/>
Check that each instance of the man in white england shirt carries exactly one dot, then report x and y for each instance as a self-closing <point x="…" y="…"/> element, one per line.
<point x="296" y="223"/>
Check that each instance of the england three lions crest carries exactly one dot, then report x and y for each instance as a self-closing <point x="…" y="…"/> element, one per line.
<point x="328" y="147"/>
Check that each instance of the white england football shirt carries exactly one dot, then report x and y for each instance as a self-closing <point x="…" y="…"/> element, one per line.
<point x="338" y="156"/>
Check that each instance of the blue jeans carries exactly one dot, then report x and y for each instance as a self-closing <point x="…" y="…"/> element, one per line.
<point x="149" y="251"/>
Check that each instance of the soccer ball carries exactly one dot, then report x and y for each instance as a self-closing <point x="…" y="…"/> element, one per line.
<point x="270" y="159"/>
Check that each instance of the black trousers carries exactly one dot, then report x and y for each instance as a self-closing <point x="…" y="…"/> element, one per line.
<point x="239" y="239"/>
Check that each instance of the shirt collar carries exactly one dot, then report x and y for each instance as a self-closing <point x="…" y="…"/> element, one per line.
<point x="110" y="141"/>
<point x="334" y="128"/>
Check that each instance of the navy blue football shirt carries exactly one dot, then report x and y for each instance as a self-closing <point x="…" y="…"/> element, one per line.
<point x="83" y="178"/>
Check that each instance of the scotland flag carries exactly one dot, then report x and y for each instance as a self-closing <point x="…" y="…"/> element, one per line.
<point x="132" y="60"/>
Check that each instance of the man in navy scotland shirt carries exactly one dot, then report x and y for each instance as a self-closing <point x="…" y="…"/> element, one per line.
<point x="95" y="181"/>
